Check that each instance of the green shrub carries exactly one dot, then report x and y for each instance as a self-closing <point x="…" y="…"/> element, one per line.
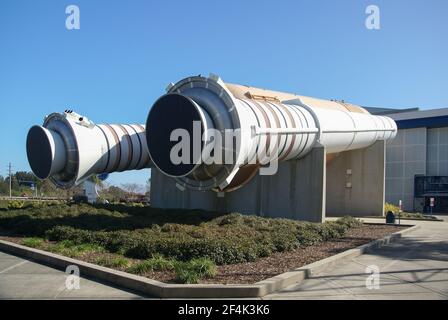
<point x="145" y="232"/>
<point x="311" y="233"/>
<point x="307" y="235"/>
<point x="390" y="207"/>
<point x="232" y="219"/>
<point x="15" y="204"/>
<point x="416" y="216"/>
<point x="231" y="239"/>
<point x="413" y="215"/>
<point x="349" y="222"/>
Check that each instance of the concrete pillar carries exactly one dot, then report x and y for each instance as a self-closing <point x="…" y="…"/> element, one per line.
<point x="166" y="194"/>
<point x="296" y="191"/>
<point x="355" y="182"/>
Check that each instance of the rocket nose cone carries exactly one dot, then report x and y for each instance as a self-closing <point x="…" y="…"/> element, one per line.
<point x="39" y="151"/>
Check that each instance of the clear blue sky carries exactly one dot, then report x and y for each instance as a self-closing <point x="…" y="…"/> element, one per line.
<point x="126" y="52"/>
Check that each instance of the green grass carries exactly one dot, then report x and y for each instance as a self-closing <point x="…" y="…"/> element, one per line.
<point x="157" y="263"/>
<point x="33" y="242"/>
<point x="193" y="270"/>
<point x="64" y="247"/>
<point x="71" y="249"/>
<point x="185" y="271"/>
<point x="116" y="263"/>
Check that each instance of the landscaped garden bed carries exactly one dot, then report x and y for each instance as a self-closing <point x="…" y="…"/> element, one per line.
<point x="186" y="246"/>
<point x="407" y="215"/>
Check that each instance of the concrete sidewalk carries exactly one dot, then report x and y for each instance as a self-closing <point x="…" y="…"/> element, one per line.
<point x="415" y="267"/>
<point x="24" y="279"/>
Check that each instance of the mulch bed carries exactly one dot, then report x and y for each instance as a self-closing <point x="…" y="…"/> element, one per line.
<point x="277" y="263"/>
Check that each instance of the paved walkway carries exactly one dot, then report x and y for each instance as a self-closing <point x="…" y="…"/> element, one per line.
<point x="23" y="279"/>
<point x="416" y="267"/>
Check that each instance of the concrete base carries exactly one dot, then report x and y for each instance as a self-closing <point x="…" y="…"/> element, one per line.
<point x="306" y="189"/>
<point x="296" y="191"/>
<point x="355" y="182"/>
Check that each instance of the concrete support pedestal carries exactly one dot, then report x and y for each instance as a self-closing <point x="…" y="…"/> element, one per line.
<point x="296" y="191"/>
<point x="355" y="182"/>
<point x="306" y="189"/>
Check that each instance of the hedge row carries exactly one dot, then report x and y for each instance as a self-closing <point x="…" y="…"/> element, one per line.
<point x="228" y="239"/>
<point x="35" y="218"/>
<point x="142" y="232"/>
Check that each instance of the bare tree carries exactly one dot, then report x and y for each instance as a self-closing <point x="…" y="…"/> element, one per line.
<point x="133" y="188"/>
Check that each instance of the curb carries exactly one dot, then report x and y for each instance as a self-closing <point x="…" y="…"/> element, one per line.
<point x="406" y="219"/>
<point x="164" y="290"/>
<point x="318" y="266"/>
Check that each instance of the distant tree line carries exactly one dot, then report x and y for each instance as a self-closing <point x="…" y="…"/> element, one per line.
<point x="27" y="184"/>
<point x="126" y="192"/>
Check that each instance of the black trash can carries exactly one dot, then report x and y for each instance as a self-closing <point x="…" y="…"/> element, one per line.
<point x="390" y="217"/>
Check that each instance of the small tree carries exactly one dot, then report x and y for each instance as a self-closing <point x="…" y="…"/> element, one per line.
<point x="133" y="188"/>
<point x="113" y="193"/>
